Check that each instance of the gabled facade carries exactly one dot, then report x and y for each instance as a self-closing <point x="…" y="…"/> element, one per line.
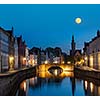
<point x="6" y="49"/>
<point x="21" y="52"/>
<point x="92" y="52"/>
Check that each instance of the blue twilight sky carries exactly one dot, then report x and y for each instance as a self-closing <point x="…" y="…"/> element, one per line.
<point x="51" y="25"/>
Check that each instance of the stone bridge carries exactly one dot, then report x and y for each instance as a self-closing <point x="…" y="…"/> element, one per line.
<point x="45" y="67"/>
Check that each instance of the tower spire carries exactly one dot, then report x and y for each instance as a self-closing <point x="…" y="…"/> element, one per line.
<point x="73" y="37"/>
<point x="73" y="45"/>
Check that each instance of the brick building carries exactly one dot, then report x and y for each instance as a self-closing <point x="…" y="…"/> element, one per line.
<point x="21" y="52"/>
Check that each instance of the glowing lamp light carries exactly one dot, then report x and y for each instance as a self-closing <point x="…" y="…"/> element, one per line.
<point x="11" y="62"/>
<point x="29" y="61"/>
<point x="24" y="58"/>
<point x="46" y="62"/>
<point x="63" y="62"/>
<point x="11" y="58"/>
<point x="68" y="62"/>
<point x="85" y="58"/>
<point x="55" y="62"/>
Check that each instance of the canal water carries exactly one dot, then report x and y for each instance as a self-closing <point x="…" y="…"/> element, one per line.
<point x="64" y="84"/>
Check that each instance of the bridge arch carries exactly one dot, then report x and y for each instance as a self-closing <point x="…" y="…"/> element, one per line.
<point x="45" y="67"/>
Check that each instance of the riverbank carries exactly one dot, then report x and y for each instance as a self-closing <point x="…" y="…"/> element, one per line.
<point x="87" y="73"/>
<point x="10" y="80"/>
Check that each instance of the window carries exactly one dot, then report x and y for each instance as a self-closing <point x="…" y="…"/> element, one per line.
<point x="4" y="48"/>
<point x="4" y="37"/>
<point x="4" y="61"/>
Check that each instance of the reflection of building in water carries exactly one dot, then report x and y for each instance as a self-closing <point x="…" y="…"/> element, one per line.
<point x="67" y="74"/>
<point x="44" y="74"/>
<point x="55" y="70"/>
<point x="24" y="87"/>
<point x="45" y="78"/>
<point x="73" y="85"/>
<point x="47" y="74"/>
<point x="37" y="82"/>
<point x="91" y="89"/>
<point x="33" y="81"/>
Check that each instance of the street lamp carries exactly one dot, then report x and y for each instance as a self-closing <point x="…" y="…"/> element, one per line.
<point x="85" y="60"/>
<point x="63" y="62"/>
<point x="11" y="62"/>
<point x="29" y="62"/>
<point x="46" y="62"/>
<point x="68" y="62"/>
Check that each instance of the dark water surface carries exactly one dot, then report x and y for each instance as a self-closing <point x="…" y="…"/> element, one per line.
<point x="65" y="84"/>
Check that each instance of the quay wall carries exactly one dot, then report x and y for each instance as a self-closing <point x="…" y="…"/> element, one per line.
<point x="90" y="75"/>
<point x="10" y="82"/>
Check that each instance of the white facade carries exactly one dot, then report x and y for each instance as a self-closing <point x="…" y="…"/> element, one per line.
<point x="33" y="59"/>
<point x="4" y="51"/>
<point x="56" y="60"/>
<point x="93" y="53"/>
<point x="31" y="62"/>
<point x="47" y="58"/>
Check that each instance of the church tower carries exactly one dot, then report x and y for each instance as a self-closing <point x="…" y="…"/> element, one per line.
<point x="73" y="43"/>
<point x="73" y="46"/>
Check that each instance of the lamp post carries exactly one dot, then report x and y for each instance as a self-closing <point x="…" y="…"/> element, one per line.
<point x="46" y="62"/>
<point x="24" y="61"/>
<point x="85" y="60"/>
<point x="63" y="62"/>
<point x="11" y="62"/>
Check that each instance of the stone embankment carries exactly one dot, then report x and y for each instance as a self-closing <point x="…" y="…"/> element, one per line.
<point x="87" y="73"/>
<point x="10" y="81"/>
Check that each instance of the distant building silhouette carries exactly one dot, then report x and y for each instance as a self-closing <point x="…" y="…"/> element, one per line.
<point x="49" y="55"/>
<point x="75" y="53"/>
<point x="35" y="55"/>
<point x="16" y="52"/>
<point x="53" y="55"/>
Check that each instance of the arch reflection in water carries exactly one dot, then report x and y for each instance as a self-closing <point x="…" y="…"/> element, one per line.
<point x="47" y="74"/>
<point x="55" y="70"/>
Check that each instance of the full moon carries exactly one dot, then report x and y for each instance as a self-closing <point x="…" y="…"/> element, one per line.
<point x="78" y="20"/>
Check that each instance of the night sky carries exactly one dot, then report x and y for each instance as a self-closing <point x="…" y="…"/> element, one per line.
<point x="51" y="25"/>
